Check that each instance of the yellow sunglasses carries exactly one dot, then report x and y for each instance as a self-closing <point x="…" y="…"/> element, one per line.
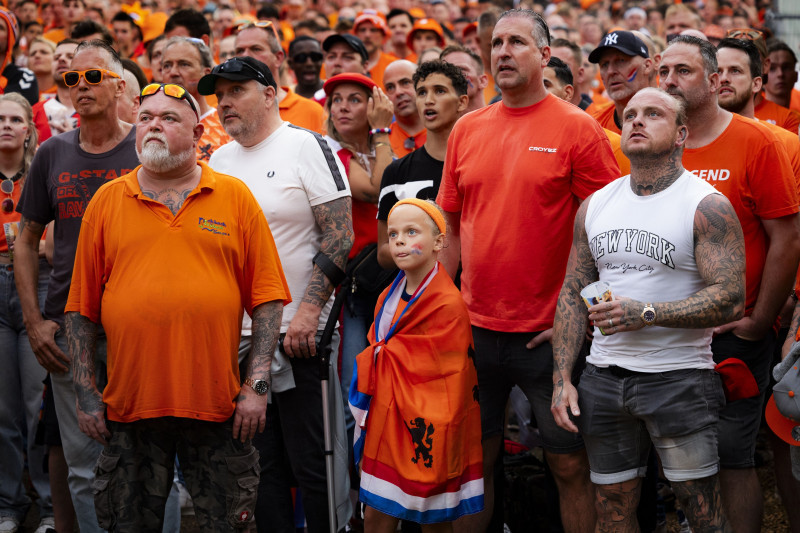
<point x="173" y="91"/>
<point x="93" y="76"/>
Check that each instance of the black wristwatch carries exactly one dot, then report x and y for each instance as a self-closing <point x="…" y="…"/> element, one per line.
<point x="260" y="386"/>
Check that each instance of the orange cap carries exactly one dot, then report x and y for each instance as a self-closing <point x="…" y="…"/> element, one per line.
<point x="425" y="24"/>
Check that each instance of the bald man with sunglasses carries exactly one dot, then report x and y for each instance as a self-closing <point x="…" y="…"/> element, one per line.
<point x="65" y="173"/>
<point x="169" y="257"/>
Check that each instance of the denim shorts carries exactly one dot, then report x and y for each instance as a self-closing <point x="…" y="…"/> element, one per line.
<point x="622" y="412"/>
<point x="502" y="361"/>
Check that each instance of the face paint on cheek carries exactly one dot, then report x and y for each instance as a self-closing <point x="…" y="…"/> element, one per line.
<point x="416" y="249"/>
<point x="633" y="74"/>
<point x="470" y="83"/>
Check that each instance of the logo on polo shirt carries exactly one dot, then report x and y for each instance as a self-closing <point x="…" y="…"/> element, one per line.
<point x="209" y="224"/>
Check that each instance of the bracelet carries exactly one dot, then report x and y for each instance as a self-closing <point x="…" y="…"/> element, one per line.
<point x="377" y="131"/>
<point x="383" y="144"/>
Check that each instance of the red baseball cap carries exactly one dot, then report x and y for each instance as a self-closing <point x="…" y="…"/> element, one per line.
<point x="425" y="24"/>
<point x="375" y="19"/>
<point x="469" y="28"/>
<point x="348" y="77"/>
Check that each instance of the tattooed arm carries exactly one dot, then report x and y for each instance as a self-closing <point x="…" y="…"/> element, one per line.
<point x="41" y="332"/>
<point x="719" y="253"/>
<point x="251" y="409"/>
<point x="570" y="323"/>
<point x="336" y="222"/>
<point x="82" y="339"/>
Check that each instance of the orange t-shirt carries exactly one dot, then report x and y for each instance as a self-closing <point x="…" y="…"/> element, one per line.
<point x="517" y="189"/>
<point x="302" y="112"/>
<point x="604" y="114"/>
<point x="12" y="217"/>
<point x="376" y="72"/>
<point x="778" y="115"/>
<point x="794" y="104"/>
<point x="616" y="146"/>
<point x="747" y="164"/>
<point x="213" y="137"/>
<point x="398" y="139"/>
<point x="489" y="92"/>
<point x="170" y="292"/>
<point x="791" y="143"/>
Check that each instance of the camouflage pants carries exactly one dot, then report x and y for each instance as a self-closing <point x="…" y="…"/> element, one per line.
<point x="134" y="474"/>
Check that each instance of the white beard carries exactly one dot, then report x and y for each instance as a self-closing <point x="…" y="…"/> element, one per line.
<point x="158" y="158"/>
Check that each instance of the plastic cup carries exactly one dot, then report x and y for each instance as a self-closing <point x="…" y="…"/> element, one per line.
<point x="595" y="293"/>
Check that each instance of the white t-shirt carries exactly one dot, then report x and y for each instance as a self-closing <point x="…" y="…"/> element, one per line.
<point x="644" y="247"/>
<point x="288" y="172"/>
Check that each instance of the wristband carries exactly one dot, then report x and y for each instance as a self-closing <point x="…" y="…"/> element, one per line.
<point x="377" y="131"/>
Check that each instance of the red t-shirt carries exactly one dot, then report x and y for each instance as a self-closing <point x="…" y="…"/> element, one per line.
<point x="517" y="178"/>
<point x="747" y="164"/>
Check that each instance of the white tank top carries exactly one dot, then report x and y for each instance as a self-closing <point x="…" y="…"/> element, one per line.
<point x="644" y="247"/>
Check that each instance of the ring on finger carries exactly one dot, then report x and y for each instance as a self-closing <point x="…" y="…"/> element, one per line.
<point x="611" y="322"/>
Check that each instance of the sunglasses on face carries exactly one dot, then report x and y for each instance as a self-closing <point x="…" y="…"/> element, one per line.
<point x="93" y="76"/>
<point x="173" y="91"/>
<point x="302" y="57"/>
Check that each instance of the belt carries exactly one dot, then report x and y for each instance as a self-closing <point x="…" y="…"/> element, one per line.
<point x="619" y="372"/>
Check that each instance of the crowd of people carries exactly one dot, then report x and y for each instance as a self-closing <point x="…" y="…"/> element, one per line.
<point x="191" y="189"/>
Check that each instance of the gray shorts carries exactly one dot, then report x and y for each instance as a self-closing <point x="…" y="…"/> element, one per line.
<point x="622" y="412"/>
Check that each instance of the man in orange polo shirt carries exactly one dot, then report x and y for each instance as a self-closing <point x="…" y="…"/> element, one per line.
<point x="184" y="61"/>
<point x="262" y="43"/>
<point x="372" y="31"/>
<point x="178" y="251"/>
<point x="408" y="133"/>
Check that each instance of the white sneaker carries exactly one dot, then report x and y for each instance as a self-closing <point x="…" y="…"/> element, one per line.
<point x="8" y="524"/>
<point x="46" y="523"/>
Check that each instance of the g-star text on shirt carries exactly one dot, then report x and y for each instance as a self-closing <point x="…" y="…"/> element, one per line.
<point x="641" y="242"/>
<point x="542" y="149"/>
<point x="711" y="174"/>
<point x="209" y="224"/>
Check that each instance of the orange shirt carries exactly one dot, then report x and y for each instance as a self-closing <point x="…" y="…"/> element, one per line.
<point x="778" y="115"/>
<point x="616" y="147"/>
<point x="794" y="105"/>
<point x="376" y="72"/>
<point x="398" y="139"/>
<point x="748" y="166"/>
<point x="302" y="112"/>
<point x="517" y="189"/>
<point x="10" y="218"/>
<point x="185" y="281"/>
<point x="213" y="137"/>
<point x="489" y="92"/>
<point x="604" y="114"/>
<point x="791" y="143"/>
<point x="56" y="35"/>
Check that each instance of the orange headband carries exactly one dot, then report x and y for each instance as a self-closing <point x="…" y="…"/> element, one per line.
<point x="429" y="208"/>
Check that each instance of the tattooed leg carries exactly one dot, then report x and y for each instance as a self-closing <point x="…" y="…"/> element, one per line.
<point x="616" y="507"/>
<point x="700" y="500"/>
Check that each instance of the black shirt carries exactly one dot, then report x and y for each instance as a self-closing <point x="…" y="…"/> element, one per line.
<point x="417" y="175"/>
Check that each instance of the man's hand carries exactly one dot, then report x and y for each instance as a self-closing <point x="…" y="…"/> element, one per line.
<point x="42" y="337"/>
<point x="745" y="328"/>
<point x="541" y="338"/>
<point x="251" y="414"/>
<point x="91" y="416"/>
<point x="618" y="315"/>
<point x="300" y="338"/>
<point x="565" y="401"/>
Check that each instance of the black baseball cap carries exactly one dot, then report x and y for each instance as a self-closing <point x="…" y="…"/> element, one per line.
<point x="350" y="40"/>
<point x="624" y="41"/>
<point x="237" y="69"/>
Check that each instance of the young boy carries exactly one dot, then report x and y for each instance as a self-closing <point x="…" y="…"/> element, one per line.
<point x="441" y="90"/>
<point x="420" y="448"/>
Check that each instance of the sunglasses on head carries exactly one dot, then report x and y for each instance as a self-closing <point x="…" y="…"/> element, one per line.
<point x="744" y="33"/>
<point x="173" y="91"/>
<point x="235" y="65"/>
<point x="263" y="24"/>
<point x="93" y="76"/>
<point x="302" y="57"/>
